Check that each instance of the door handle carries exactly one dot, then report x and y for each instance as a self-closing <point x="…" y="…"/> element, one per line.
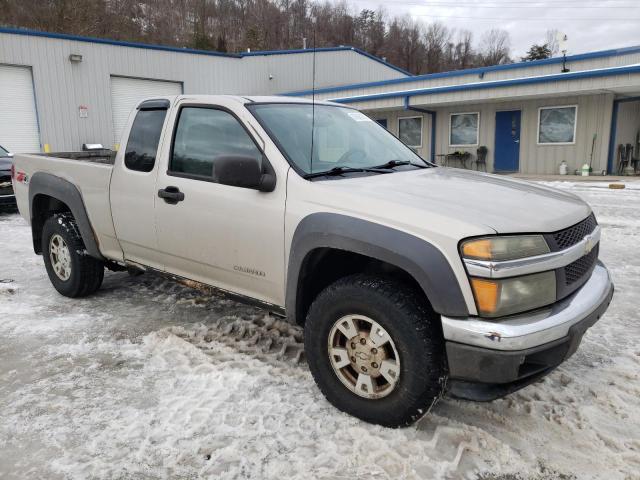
<point x="171" y="195"/>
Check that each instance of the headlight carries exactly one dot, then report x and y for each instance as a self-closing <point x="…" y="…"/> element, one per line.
<point x="496" y="298"/>
<point x="504" y="248"/>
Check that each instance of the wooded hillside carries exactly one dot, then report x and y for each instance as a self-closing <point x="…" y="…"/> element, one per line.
<point x="238" y="25"/>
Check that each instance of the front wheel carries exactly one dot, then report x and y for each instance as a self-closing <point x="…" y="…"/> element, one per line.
<point x="375" y="349"/>
<point x="71" y="270"/>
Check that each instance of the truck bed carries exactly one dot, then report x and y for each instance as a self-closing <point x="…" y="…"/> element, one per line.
<point x="89" y="172"/>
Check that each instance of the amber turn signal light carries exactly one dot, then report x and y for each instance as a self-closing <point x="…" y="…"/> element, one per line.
<point x="478" y="249"/>
<point x="486" y="293"/>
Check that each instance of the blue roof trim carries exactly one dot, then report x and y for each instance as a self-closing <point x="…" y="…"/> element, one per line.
<point x="493" y="84"/>
<point x="471" y="71"/>
<point x="104" y="41"/>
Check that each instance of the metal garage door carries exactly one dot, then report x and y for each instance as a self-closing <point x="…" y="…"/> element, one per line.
<point x="126" y="93"/>
<point x="18" y="119"/>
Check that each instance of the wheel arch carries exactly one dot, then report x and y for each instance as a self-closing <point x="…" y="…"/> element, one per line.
<point x="49" y="194"/>
<point x="348" y="241"/>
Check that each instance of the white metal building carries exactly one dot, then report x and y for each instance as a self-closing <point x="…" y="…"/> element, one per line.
<point x="60" y="91"/>
<point x="530" y="116"/>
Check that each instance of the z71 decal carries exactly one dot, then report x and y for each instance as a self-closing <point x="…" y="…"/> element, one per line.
<point x="22" y="177"/>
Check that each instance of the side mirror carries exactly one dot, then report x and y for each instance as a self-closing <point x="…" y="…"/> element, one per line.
<point x="242" y="171"/>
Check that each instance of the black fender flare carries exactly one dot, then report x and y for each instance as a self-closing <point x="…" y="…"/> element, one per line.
<point x="419" y="258"/>
<point x="42" y="183"/>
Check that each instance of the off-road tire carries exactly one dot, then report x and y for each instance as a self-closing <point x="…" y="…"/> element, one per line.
<point x="87" y="272"/>
<point x="415" y="330"/>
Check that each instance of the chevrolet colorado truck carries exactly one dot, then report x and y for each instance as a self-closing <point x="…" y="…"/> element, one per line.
<point x="411" y="280"/>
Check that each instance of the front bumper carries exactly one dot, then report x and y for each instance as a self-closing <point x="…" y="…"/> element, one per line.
<point x="489" y="359"/>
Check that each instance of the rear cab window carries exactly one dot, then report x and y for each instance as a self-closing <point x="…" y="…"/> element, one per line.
<point x="142" y="146"/>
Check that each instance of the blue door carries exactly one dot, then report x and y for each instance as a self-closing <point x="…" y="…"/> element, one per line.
<point x="507" y="146"/>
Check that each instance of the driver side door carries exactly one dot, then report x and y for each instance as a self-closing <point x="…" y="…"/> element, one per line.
<point x="226" y="236"/>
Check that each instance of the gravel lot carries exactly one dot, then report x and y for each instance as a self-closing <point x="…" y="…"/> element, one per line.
<point x="150" y="379"/>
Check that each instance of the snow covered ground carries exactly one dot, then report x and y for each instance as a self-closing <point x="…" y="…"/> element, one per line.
<point x="150" y="379"/>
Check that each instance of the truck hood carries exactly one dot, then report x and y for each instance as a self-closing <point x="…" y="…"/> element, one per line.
<point x="503" y="204"/>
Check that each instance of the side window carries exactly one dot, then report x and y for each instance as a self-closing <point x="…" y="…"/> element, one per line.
<point x="142" y="145"/>
<point x="202" y="136"/>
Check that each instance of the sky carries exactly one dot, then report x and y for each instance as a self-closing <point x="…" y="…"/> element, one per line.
<point x="590" y="25"/>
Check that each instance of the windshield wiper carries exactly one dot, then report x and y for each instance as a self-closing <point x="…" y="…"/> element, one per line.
<point x="399" y="163"/>
<point x="340" y="170"/>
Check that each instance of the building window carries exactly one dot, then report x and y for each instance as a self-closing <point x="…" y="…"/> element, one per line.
<point x="410" y="131"/>
<point x="557" y="125"/>
<point x="463" y="129"/>
<point x="382" y="122"/>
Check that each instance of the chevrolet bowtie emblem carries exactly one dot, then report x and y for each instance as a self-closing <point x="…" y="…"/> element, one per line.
<point x="588" y="246"/>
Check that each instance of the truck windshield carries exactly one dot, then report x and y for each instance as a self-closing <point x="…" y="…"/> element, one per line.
<point x="344" y="140"/>
<point x="3" y="152"/>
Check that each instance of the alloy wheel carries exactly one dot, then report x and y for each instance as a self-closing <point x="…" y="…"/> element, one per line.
<point x="60" y="257"/>
<point x="364" y="356"/>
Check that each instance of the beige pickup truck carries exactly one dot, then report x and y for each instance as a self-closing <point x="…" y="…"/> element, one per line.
<point x="411" y="280"/>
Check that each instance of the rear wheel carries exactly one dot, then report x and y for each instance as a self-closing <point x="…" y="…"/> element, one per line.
<point x="71" y="270"/>
<point x="375" y="349"/>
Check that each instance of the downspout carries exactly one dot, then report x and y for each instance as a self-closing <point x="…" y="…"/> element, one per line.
<point x="612" y="136"/>
<point x="433" y="125"/>
<point x="614" y="128"/>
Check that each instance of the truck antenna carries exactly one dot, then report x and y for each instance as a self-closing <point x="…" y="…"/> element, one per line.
<point x="313" y="98"/>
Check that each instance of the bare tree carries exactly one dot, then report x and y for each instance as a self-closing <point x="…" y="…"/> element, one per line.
<point x="495" y="48"/>
<point x="551" y="41"/>
<point x="463" y="54"/>
<point x="436" y="42"/>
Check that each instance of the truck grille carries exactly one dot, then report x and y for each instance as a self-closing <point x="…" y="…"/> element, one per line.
<point x="580" y="268"/>
<point x="572" y="235"/>
<point x="573" y="276"/>
<point x="5" y="185"/>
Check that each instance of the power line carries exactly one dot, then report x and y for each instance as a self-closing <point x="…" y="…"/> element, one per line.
<point x="532" y="4"/>
<point x="526" y="19"/>
<point x="514" y="5"/>
<point x="556" y="6"/>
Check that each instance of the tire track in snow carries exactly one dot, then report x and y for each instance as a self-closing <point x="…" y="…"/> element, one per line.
<point x="267" y="338"/>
